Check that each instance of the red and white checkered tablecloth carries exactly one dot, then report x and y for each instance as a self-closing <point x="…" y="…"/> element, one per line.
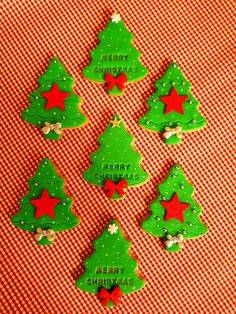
<point x="198" y="35"/>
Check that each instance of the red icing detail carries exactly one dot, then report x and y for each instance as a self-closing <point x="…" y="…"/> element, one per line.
<point x="106" y="296"/>
<point x="173" y="102"/>
<point x="45" y="205"/>
<point x="174" y="209"/>
<point x="55" y="98"/>
<point x="110" y="187"/>
<point x="112" y="81"/>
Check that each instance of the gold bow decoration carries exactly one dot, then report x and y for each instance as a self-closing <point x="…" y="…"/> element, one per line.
<point x="51" y="127"/>
<point x="49" y="234"/>
<point x="172" y="131"/>
<point x="172" y="240"/>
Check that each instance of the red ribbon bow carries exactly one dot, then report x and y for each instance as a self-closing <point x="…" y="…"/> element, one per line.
<point x="110" y="187"/>
<point x="106" y="296"/>
<point x="112" y="81"/>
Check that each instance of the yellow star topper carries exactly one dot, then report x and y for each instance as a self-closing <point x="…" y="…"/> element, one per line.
<point x="115" y="123"/>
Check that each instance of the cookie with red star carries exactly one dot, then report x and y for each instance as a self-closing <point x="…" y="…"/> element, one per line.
<point x="54" y="106"/>
<point x="46" y="209"/>
<point x="174" y="214"/>
<point x="173" y="110"/>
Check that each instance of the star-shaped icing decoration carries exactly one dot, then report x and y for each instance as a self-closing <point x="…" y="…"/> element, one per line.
<point x="115" y="123"/>
<point x="55" y="98"/>
<point x="112" y="229"/>
<point x="174" y="208"/>
<point x="115" y="17"/>
<point x="174" y="102"/>
<point x="45" y="205"/>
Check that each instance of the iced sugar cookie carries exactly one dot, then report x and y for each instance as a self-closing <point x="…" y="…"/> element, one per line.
<point x="116" y="164"/>
<point x="110" y="271"/>
<point x="115" y="62"/>
<point x="54" y="106"/>
<point x="173" y="110"/>
<point x="46" y="209"/>
<point x="174" y="214"/>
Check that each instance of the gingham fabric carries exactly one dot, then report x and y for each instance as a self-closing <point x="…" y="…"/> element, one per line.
<point x="198" y="35"/>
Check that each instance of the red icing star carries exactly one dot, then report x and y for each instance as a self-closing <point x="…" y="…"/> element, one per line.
<point x="55" y="98"/>
<point x="45" y="205"/>
<point x="174" y="209"/>
<point x="173" y="102"/>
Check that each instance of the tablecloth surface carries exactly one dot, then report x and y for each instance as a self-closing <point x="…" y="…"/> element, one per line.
<point x="198" y="35"/>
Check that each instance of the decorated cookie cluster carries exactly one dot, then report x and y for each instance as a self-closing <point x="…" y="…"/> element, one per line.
<point x="116" y="166"/>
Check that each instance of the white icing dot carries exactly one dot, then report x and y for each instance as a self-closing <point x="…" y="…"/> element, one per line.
<point x="22" y="222"/>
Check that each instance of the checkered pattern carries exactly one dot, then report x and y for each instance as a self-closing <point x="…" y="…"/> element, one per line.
<point x="199" y="36"/>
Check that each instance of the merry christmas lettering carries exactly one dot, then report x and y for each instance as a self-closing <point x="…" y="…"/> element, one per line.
<point x="116" y="166"/>
<point x="109" y="281"/>
<point x="109" y="270"/>
<point x="114" y="57"/>
<point x="115" y="70"/>
<point x="116" y="176"/>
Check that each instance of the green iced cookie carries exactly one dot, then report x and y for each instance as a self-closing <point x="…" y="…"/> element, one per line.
<point x="173" y="110"/>
<point x="115" y="61"/>
<point x="46" y="209"/>
<point x="174" y="214"/>
<point x="110" y="271"/>
<point x="116" y="164"/>
<point x="54" y="106"/>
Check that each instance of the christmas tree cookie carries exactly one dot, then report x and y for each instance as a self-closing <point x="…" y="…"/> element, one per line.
<point x="110" y="271"/>
<point x="54" y="106"/>
<point x="173" y="110"/>
<point x="115" y="61"/>
<point x="46" y="209"/>
<point x="175" y="215"/>
<point x="115" y="165"/>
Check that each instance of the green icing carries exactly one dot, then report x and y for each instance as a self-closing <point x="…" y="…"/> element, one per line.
<point x="192" y="226"/>
<point x="70" y="117"/>
<point x="115" y="54"/>
<point x="155" y="120"/>
<point x="45" y="178"/>
<point x="110" y="265"/>
<point x="116" y="159"/>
